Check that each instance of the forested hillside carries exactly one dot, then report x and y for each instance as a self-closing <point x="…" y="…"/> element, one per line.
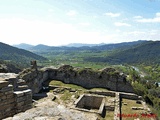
<point x="17" y="56"/>
<point x="148" y="53"/>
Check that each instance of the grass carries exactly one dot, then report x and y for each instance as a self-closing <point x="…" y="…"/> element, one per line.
<point x="101" y="89"/>
<point x="61" y="84"/>
<point x="109" y="115"/>
<point x="126" y="109"/>
<point x="73" y="86"/>
<point x="66" y="95"/>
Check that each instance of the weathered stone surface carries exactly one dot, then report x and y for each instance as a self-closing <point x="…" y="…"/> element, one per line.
<point x="11" y="95"/>
<point x="27" y="92"/>
<point x="1" y="94"/>
<point x="49" y="110"/>
<point x="7" y="88"/>
<point x="20" y="99"/>
<point x="12" y="102"/>
<point x="19" y="104"/>
<point x="7" y="101"/>
<point x="3" y="97"/>
<point x="10" y="77"/>
<point x="4" y="107"/>
<point x="3" y="83"/>
<point x="107" y="78"/>
<point x="19" y="93"/>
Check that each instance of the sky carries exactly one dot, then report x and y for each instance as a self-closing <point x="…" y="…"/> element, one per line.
<point x="60" y="22"/>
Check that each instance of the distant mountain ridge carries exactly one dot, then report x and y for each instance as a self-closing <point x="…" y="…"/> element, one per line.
<point x="23" y="46"/>
<point x="44" y="48"/>
<point x="77" y="46"/>
<point x="83" y="44"/>
<point x="28" y="46"/>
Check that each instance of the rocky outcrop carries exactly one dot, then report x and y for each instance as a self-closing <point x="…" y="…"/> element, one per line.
<point x="3" y="68"/>
<point x="9" y="68"/>
<point x="107" y="78"/>
<point x="34" y="78"/>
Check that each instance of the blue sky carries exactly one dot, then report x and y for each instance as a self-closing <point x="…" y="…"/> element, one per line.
<point x="60" y="22"/>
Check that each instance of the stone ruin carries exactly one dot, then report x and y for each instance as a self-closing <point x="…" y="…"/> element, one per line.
<point x="107" y="78"/>
<point x="34" y="64"/>
<point x="16" y="90"/>
<point x="91" y="103"/>
<point x="13" y="102"/>
<point x="98" y="103"/>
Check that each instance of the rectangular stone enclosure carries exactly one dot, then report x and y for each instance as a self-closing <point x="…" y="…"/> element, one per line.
<point x="91" y="103"/>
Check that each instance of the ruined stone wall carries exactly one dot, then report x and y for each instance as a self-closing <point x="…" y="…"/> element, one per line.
<point x="7" y="100"/>
<point x="130" y="96"/>
<point x="34" y="78"/>
<point x="106" y="93"/>
<point x="23" y="100"/>
<point x="13" y="102"/>
<point x="87" y="78"/>
<point x="10" y="77"/>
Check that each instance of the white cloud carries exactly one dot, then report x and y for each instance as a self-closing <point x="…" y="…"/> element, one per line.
<point x="119" y="24"/>
<point x="127" y="36"/>
<point x="137" y="17"/>
<point x="50" y="10"/>
<point x="72" y="13"/>
<point x="154" y="32"/>
<point x="95" y="16"/>
<point x="158" y="14"/>
<point x="85" y="24"/>
<point x="156" y="19"/>
<point x="15" y="31"/>
<point x="135" y="33"/>
<point x="117" y="30"/>
<point x="112" y="14"/>
<point x="141" y="35"/>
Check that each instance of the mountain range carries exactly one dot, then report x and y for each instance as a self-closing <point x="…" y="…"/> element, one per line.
<point x="141" y="51"/>
<point x="28" y="46"/>
<point x="73" y="47"/>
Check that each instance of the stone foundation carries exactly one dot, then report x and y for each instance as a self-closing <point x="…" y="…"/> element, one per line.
<point x="23" y="100"/>
<point x="12" y="102"/>
<point x="91" y="103"/>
